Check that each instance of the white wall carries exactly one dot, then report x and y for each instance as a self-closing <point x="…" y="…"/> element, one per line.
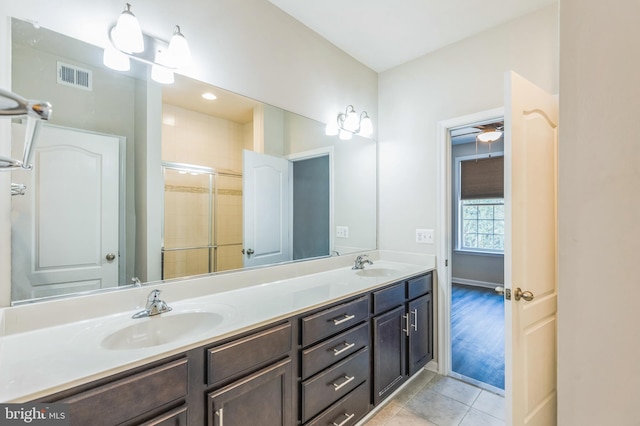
<point x="463" y="78"/>
<point x="599" y="213"/>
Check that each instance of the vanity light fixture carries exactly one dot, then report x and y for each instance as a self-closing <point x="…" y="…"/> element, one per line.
<point x="179" y="48"/>
<point x="127" y="35"/>
<point x="127" y="41"/>
<point x="349" y="123"/>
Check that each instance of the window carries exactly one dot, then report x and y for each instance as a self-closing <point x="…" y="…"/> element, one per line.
<point x="481" y="204"/>
<point x="482" y="225"/>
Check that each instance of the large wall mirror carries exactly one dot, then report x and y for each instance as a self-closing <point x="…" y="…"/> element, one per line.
<point x="139" y="181"/>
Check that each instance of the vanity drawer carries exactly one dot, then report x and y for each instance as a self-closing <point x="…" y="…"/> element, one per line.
<point x="327" y="387"/>
<point x="419" y="286"/>
<point x="322" y="355"/>
<point x="388" y="298"/>
<point x="242" y="355"/>
<point x="347" y="411"/>
<point x="177" y="417"/>
<point x="127" y="398"/>
<point x="333" y="320"/>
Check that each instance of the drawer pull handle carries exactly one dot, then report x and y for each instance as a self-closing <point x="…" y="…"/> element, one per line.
<point x="343" y="319"/>
<point x="220" y="414"/>
<point x="345" y="421"/>
<point x="406" y="321"/>
<point x="341" y="385"/>
<point x="415" y="324"/>
<point x="346" y="347"/>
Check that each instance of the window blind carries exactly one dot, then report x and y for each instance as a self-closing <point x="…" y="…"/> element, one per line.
<point x="483" y="178"/>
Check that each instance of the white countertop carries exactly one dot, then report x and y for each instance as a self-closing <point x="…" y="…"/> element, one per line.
<point x="45" y="360"/>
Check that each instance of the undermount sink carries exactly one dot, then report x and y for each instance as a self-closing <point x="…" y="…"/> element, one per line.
<point x="161" y="329"/>
<point x="377" y="272"/>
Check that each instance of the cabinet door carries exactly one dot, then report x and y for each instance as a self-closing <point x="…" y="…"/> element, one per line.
<point x="420" y="333"/>
<point x="263" y="398"/>
<point x="389" y="343"/>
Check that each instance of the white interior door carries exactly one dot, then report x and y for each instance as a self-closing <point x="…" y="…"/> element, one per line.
<point x="65" y="228"/>
<point x="531" y="138"/>
<point x="265" y="204"/>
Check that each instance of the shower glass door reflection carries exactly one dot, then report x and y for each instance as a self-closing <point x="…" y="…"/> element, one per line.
<point x="188" y="240"/>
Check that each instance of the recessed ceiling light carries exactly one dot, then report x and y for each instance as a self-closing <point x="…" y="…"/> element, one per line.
<point x="209" y="96"/>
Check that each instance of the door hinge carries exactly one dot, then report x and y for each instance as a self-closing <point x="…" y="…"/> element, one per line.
<point x="446" y="262"/>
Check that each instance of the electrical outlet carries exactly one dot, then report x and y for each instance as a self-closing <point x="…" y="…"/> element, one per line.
<point x="342" y="232"/>
<point x="424" y="236"/>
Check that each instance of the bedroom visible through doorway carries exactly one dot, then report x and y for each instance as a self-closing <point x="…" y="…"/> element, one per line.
<point x="477" y="259"/>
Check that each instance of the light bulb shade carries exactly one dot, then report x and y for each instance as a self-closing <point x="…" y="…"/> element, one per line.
<point x="366" y="127"/>
<point x="127" y="35"/>
<point x="179" y="52"/>
<point x="115" y="59"/>
<point x="351" y="121"/>
<point x="490" y="136"/>
<point x="162" y="75"/>
<point x="345" y="135"/>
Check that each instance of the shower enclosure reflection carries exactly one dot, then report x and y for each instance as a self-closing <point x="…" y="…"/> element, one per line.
<point x="202" y="220"/>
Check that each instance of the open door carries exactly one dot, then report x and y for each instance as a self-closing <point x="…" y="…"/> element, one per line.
<point x="531" y="138"/>
<point x="266" y="209"/>
<point x="65" y="228"/>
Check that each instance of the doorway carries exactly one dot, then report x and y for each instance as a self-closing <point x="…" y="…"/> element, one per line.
<point x="477" y="259"/>
<point x="451" y="133"/>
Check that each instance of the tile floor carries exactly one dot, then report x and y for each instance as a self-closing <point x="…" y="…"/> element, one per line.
<point x="434" y="400"/>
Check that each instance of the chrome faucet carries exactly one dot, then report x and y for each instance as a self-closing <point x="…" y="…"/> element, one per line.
<point x="361" y="261"/>
<point x="14" y="106"/>
<point x="155" y="306"/>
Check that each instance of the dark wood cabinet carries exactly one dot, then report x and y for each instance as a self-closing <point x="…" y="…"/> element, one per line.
<point x="402" y="336"/>
<point x="130" y="399"/>
<point x="335" y="364"/>
<point x="326" y="366"/>
<point x="389" y="349"/>
<point x="177" y="417"/>
<point x="262" y="398"/>
<point x="420" y="347"/>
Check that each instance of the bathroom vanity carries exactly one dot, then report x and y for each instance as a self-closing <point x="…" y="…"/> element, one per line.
<point x="347" y="340"/>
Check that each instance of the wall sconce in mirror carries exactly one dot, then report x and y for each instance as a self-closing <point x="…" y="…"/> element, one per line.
<point x="15" y="106"/>
<point x="349" y="123"/>
<point x="127" y="41"/>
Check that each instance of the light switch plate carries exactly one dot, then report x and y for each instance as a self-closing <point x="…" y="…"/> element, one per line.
<point x="342" y="232"/>
<point x="424" y="236"/>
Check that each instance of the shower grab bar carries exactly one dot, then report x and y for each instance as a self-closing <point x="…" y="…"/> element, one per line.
<point x="13" y="105"/>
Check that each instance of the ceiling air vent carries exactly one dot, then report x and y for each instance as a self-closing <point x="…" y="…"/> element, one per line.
<point x="71" y="75"/>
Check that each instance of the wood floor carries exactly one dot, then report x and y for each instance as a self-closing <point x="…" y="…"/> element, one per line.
<point x="477" y="334"/>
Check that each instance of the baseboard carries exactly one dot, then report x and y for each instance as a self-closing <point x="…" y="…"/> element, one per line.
<point x="475" y="283"/>
<point x="477" y="383"/>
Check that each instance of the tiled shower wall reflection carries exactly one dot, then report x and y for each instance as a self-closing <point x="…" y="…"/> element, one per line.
<point x="198" y="139"/>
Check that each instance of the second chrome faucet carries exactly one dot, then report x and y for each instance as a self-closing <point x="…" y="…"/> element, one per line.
<point x="362" y="260"/>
